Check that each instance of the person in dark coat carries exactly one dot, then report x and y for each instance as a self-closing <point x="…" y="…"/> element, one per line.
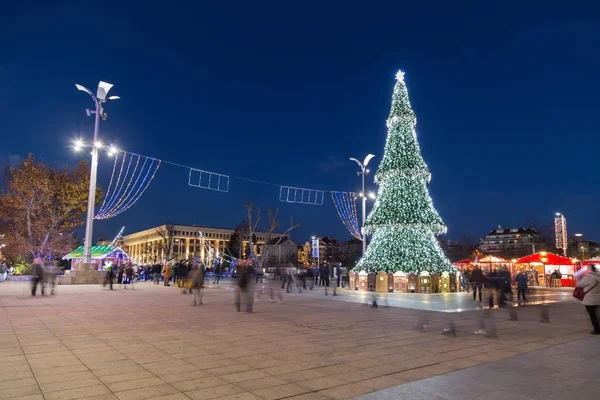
<point x="477" y="280"/>
<point x="521" y="279"/>
<point x="38" y="276"/>
<point x="156" y="269"/>
<point x="492" y="284"/>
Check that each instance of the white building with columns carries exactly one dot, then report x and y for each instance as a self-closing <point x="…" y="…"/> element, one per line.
<point x="189" y="241"/>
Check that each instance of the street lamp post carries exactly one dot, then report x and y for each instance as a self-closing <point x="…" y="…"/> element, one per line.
<point x="99" y="99"/>
<point x="363" y="171"/>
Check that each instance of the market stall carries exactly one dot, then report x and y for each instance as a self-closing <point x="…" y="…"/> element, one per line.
<point x="461" y="265"/>
<point x="488" y="263"/>
<point x="543" y="264"/>
<point x="102" y="256"/>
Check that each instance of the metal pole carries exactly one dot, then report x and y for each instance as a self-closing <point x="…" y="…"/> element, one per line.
<point x="89" y="224"/>
<point x="364" y="211"/>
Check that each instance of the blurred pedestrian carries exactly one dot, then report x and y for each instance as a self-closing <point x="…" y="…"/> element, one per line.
<point x="109" y="277"/>
<point x="492" y="286"/>
<point x="120" y="273"/>
<point x="243" y="293"/>
<point x="156" y="268"/>
<point x="590" y="285"/>
<point x="51" y="272"/>
<point x="3" y="272"/>
<point x="38" y="276"/>
<point x="197" y="272"/>
<point x="218" y="271"/>
<point x="521" y="280"/>
<point x="166" y="272"/>
<point x="477" y="280"/>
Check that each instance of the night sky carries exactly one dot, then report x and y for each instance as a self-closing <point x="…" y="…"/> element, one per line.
<point x="506" y="98"/>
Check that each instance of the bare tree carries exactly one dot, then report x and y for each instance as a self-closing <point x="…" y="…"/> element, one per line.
<point x="251" y="227"/>
<point x="274" y="224"/>
<point x="167" y="242"/>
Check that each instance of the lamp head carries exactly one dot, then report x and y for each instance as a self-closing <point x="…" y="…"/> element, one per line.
<point x="103" y="89"/>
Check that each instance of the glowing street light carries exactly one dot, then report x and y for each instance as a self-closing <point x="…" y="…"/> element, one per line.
<point x="363" y="171"/>
<point x="99" y="100"/>
<point x="372" y="195"/>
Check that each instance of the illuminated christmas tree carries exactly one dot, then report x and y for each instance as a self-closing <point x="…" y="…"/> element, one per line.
<point x="403" y="223"/>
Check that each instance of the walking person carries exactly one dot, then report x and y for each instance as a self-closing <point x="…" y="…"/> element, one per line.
<point x="120" y="273"/>
<point x="156" y="268"/>
<point x="477" y="280"/>
<point x="243" y="292"/>
<point x="109" y="277"/>
<point x="197" y="287"/>
<point x="590" y="285"/>
<point x="38" y="276"/>
<point x="167" y="274"/>
<point x="51" y="274"/>
<point x="217" y="276"/>
<point x="338" y="277"/>
<point x="3" y="272"/>
<point x="521" y="280"/>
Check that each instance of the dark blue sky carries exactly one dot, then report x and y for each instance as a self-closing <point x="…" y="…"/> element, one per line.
<point x="506" y="96"/>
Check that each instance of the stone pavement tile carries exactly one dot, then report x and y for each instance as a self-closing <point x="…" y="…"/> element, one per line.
<point x="105" y="396"/>
<point x="19" y="391"/>
<point x="132" y="383"/>
<point x="230" y="369"/>
<point x="325" y="382"/>
<point x="71" y="383"/>
<point x="240" y="396"/>
<point x="422" y="373"/>
<point x="283" y="369"/>
<point x="44" y="371"/>
<point x="199" y="383"/>
<point x="80" y="375"/>
<point x="309" y="396"/>
<point x="184" y="376"/>
<point x="108" y="379"/>
<point x="211" y="364"/>
<point x="214" y="392"/>
<point x="15" y="383"/>
<point x="17" y="372"/>
<point x="334" y="369"/>
<point x="76" y="393"/>
<point x="461" y="363"/>
<point x="524" y="348"/>
<point x="29" y="397"/>
<point x="146" y="392"/>
<point x="345" y="391"/>
<point x="381" y="382"/>
<point x="244" y="376"/>
<point x="173" y="396"/>
<point x="299" y="376"/>
<point x="261" y="383"/>
<point x="11" y="361"/>
<point x="280" y="392"/>
<point x="494" y="355"/>
<point x="358" y="375"/>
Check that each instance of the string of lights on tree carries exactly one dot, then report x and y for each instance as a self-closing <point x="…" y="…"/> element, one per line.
<point x="345" y="204"/>
<point x="403" y="221"/>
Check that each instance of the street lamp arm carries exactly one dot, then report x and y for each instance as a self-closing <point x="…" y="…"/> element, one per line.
<point x="367" y="159"/>
<point x="358" y="162"/>
<point x="84" y="89"/>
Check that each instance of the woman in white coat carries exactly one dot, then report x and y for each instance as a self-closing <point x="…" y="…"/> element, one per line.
<point x="591" y="286"/>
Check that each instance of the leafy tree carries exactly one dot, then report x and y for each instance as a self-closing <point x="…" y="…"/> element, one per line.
<point x="41" y="207"/>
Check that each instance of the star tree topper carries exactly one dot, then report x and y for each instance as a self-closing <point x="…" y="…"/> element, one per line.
<point x="400" y="75"/>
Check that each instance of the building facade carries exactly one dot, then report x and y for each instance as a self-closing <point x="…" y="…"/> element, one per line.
<point x="511" y="242"/>
<point x="582" y="248"/>
<point x="186" y="241"/>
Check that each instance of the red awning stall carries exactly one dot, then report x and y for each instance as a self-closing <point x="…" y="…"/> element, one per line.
<point x="545" y="264"/>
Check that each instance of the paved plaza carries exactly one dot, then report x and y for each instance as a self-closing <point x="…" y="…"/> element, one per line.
<point x="150" y="343"/>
